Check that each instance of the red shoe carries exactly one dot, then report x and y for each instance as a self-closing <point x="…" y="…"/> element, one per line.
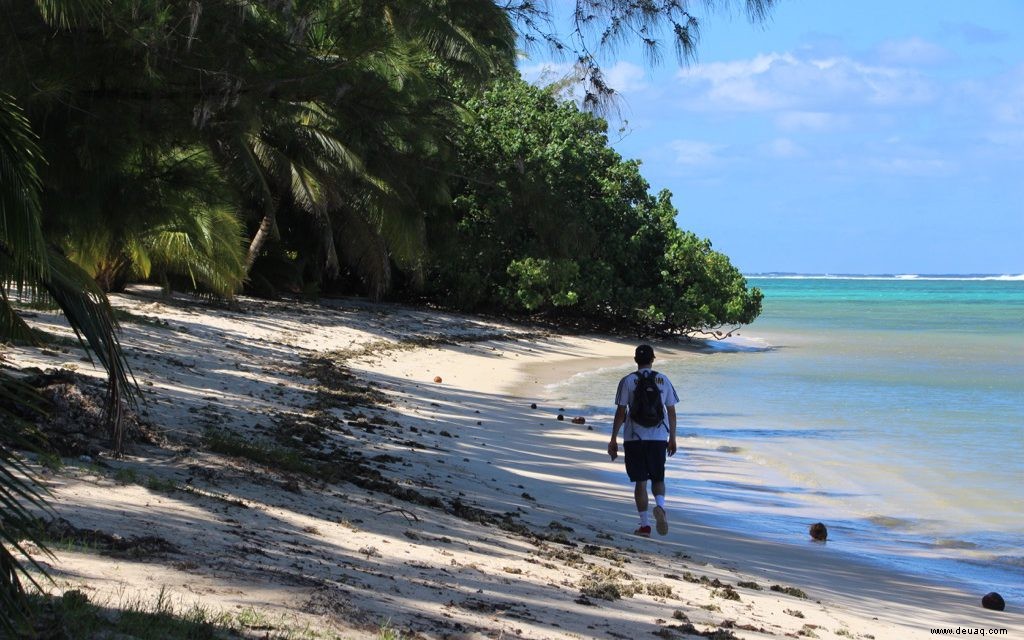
<point x="644" y="531"/>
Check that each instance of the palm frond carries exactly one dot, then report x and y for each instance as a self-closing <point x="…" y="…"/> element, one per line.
<point x="138" y="252"/>
<point x="12" y="326"/>
<point x="206" y="244"/>
<point x="335" y="154"/>
<point x="93" y="249"/>
<point x="90" y="315"/>
<point x="471" y="36"/>
<point x="22" y="500"/>
<point x="404" y="231"/>
<point x="23" y="262"/>
<point x="69" y="13"/>
<point x="311" y="142"/>
<point x="21" y="236"/>
<point x="363" y="249"/>
<point x="245" y="169"/>
<point x="305" y="190"/>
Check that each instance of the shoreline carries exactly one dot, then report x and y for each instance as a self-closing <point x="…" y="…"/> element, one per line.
<point x="788" y="529"/>
<point x="350" y="557"/>
<point x="539" y="376"/>
<point x="860" y="540"/>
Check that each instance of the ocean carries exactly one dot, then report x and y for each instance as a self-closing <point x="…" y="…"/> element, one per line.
<point x="889" y="407"/>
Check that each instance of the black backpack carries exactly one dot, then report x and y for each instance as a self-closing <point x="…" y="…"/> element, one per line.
<point x="646" y="410"/>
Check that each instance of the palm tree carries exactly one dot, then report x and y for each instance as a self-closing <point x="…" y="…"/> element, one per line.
<point x="172" y="219"/>
<point x="27" y="263"/>
<point x="305" y="106"/>
<point x="335" y="173"/>
<point x="22" y="259"/>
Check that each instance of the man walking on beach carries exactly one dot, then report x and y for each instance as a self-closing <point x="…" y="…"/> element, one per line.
<point x="645" y="402"/>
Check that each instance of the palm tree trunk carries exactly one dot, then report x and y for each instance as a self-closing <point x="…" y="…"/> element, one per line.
<point x="112" y="275"/>
<point x="268" y="227"/>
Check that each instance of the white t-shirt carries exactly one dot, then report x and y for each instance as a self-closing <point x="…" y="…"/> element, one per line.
<point x="624" y="397"/>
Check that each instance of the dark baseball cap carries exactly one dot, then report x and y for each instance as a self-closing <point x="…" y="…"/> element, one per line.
<point x="644" y="353"/>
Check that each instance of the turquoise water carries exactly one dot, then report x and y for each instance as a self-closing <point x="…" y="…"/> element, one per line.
<point x="891" y="408"/>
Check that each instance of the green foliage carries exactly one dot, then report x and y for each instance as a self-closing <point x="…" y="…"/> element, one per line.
<point x="28" y="265"/>
<point x="310" y="124"/>
<point x="126" y="476"/>
<point x="20" y="495"/>
<point x="261" y="451"/>
<point x="51" y="461"/>
<point x="536" y="282"/>
<point x="548" y="216"/>
<point x="186" y="231"/>
<point x="161" y="485"/>
<point x="320" y="132"/>
<point x="159" y="618"/>
<point x="387" y="632"/>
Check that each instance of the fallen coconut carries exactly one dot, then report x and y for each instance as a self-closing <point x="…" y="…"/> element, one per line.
<point x="993" y="601"/>
<point x="818" y="532"/>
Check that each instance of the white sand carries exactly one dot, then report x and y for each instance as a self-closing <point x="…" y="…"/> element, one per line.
<point x="335" y="558"/>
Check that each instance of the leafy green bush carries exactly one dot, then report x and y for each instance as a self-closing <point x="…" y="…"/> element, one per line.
<point x="536" y="282"/>
<point x="549" y="218"/>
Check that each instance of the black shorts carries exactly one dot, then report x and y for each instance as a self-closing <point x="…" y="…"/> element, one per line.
<point x="645" y="459"/>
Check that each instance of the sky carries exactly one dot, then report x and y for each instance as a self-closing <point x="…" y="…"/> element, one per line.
<point x="868" y="137"/>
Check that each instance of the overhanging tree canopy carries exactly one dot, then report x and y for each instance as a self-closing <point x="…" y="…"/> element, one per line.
<point x="549" y="216"/>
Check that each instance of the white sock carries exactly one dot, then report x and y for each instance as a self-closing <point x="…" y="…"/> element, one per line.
<point x="645" y="520"/>
<point x="660" y="501"/>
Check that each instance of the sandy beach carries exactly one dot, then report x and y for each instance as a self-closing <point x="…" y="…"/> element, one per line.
<point x="331" y="469"/>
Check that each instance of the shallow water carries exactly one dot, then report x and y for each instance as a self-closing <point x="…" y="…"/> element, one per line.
<point x="890" y="408"/>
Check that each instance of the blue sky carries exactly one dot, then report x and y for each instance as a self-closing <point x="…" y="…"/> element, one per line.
<point x="840" y="137"/>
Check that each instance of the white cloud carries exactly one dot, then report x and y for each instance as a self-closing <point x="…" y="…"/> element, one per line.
<point x="912" y="51"/>
<point x="1006" y="138"/>
<point x="736" y="84"/>
<point x="696" y="152"/>
<point x="546" y="72"/>
<point x="776" y="82"/>
<point x="1008" y="112"/>
<point x="784" y="148"/>
<point x="626" y="77"/>
<point x="922" y="167"/>
<point x="1007" y="98"/>
<point x="814" y="121"/>
<point x="902" y="158"/>
<point x="724" y="71"/>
